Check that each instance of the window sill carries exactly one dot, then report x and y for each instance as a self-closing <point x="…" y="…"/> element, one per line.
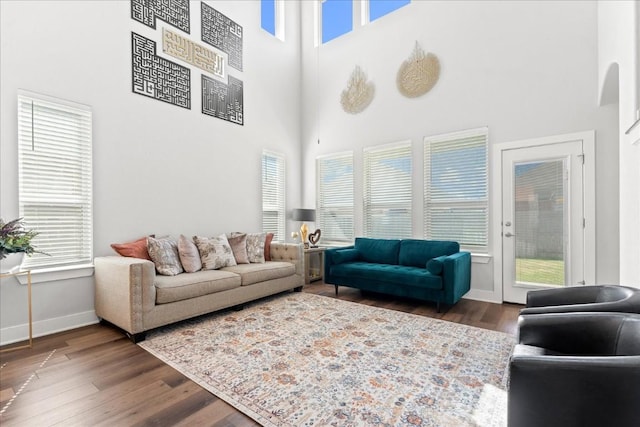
<point x="57" y="273"/>
<point x="481" y="258"/>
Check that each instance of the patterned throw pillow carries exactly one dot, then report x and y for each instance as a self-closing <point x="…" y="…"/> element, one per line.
<point x="164" y="254"/>
<point x="215" y="252"/>
<point x="238" y="243"/>
<point x="255" y="247"/>
<point x="189" y="255"/>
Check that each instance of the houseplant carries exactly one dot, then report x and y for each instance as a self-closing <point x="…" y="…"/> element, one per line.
<point x="15" y="242"/>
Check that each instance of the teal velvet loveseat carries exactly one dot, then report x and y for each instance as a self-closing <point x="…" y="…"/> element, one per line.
<point x="429" y="270"/>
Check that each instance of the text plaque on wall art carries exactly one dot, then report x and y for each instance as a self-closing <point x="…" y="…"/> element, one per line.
<point x="224" y="101"/>
<point x="193" y="53"/>
<point x="222" y="33"/>
<point x="174" y="12"/>
<point x="157" y="77"/>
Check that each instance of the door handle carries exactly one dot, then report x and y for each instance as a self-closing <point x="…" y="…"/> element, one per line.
<point x="508" y="234"/>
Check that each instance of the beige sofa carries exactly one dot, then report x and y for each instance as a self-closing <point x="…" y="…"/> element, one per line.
<point x="130" y="295"/>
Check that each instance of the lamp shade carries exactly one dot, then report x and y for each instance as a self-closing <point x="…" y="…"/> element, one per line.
<point x="303" y="215"/>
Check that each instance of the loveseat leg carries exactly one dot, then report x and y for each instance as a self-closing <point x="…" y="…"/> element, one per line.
<point x="298" y="289"/>
<point x="438" y="306"/>
<point x="336" y="289"/>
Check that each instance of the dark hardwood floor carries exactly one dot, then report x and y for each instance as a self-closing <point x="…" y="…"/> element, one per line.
<point x="95" y="376"/>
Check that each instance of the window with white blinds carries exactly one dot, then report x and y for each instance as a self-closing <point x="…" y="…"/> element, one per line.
<point x="456" y="188"/>
<point x="55" y="179"/>
<point x="334" y="207"/>
<point x="273" y="195"/>
<point x="387" y="191"/>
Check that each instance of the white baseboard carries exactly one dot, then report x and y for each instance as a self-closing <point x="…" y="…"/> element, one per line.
<point x="482" y="295"/>
<point x="41" y="328"/>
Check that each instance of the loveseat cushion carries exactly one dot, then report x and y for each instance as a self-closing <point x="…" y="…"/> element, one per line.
<point x="191" y="285"/>
<point x="255" y="273"/>
<point x="378" y="251"/>
<point x="417" y="253"/>
<point x="395" y="274"/>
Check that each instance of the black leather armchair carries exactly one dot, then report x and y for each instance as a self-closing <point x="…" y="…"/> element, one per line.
<point x="584" y="298"/>
<point x="576" y="369"/>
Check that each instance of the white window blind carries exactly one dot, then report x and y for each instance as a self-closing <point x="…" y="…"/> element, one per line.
<point x="456" y="188"/>
<point x="334" y="212"/>
<point x="387" y="191"/>
<point x="55" y="178"/>
<point x="273" y="195"/>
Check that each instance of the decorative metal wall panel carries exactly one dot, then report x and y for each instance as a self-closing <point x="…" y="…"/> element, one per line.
<point x="157" y="77"/>
<point x="174" y="12"/>
<point x="222" y="33"/>
<point x="224" y="101"/>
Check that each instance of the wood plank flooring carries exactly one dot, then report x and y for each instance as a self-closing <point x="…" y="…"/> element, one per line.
<point x="95" y="376"/>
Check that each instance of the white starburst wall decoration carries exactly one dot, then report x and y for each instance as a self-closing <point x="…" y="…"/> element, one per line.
<point x="358" y="94"/>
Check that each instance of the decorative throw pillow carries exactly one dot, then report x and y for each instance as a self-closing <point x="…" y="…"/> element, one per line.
<point x="164" y="254"/>
<point x="267" y="246"/>
<point x="255" y="247"/>
<point x="238" y="245"/>
<point x="189" y="255"/>
<point x="215" y="252"/>
<point x="135" y="249"/>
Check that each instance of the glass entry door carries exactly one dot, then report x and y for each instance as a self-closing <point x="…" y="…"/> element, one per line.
<point x="542" y="227"/>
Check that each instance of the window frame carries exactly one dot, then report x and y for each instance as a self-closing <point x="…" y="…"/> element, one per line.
<point x="279" y="207"/>
<point x="64" y="127"/>
<point x="320" y="21"/>
<point x="278" y="30"/>
<point x="341" y="211"/>
<point x="481" y="203"/>
<point x="366" y="9"/>
<point x="394" y="150"/>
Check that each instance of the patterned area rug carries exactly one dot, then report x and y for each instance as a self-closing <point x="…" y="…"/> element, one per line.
<point x="307" y="360"/>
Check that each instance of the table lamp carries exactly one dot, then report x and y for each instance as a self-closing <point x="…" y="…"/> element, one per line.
<point x="304" y="215"/>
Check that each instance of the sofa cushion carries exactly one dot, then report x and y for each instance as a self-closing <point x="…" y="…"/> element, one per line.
<point x="379" y="251"/>
<point x="164" y="254"/>
<point x="238" y="245"/>
<point x="255" y="247"/>
<point x="189" y="255"/>
<point x="267" y="246"/>
<point x="215" y="252"/>
<point x="255" y="273"/>
<point x="191" y="285"/>
<point x="417" y="253"/>
<point x="135" y="249"/>
<point x="396" y="275"/>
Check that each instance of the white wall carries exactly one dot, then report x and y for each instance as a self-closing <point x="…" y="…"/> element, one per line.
<point x="619" y="48"/>
<point x="524" y="69"/>
<point x="158" y="168"/>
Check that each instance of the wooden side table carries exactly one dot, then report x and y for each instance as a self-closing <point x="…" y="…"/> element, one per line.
<point x="313" y="264"/>
<point x="14" y="274"/>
